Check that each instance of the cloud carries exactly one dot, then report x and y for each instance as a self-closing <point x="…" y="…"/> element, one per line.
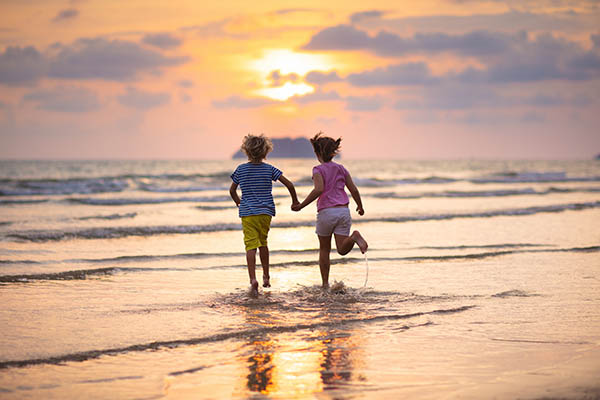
<point x="317" y="96"/>
<point x="416" y="73"/>
<point x="278" y="80"/>
<point x="286" y="11"/>
<point x="326" y="120"/>
<point x="505" y="58"/>
<point x="556" y="100"/>
<point x="479" y="118"/>
<point x="345" y="37"/>
<point x="99" y="58"/>
<point x="215" y="29"/>
<point x="354" y="103"/>
<point x="340" y="37"/>
<point x="544" y="58"/>
<point x="143" y="100"/>
<point x="360" y="16"/>
<point x="64" y="99"/>
<point x="163" y="41"/>
<point x="495" y="119"/>
<point x="186" y="83"/>
<point x="585" y="65"/>
<point x="422" y="117"/>
<point x="321" y="78"/>
<point x="21" y="66"/>
<point x="510" y="21"/>
<point x="459" y="97"/>
<point x="533" y="117"/>
<point x="509" y="57"/>
<point x="67" y="14"/>
<point x="240" y="102"/>
<point x="454" y="96"/>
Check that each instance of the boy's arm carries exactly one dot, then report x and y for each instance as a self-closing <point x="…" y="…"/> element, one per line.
<point x="355" y="194"/>
<point x="290" y="186"/>
<point x="233" y="193"/>
<point x="314" y="194"/>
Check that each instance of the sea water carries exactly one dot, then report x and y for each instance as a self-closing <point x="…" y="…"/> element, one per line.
<point x="127" y="280"/>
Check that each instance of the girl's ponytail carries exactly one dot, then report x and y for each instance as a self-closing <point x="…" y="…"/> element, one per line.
<point x="325" y="147"/>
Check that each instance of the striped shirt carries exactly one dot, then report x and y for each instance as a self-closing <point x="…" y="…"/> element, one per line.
<point x="256" y="181"/>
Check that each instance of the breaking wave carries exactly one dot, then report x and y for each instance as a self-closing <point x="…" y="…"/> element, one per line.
<point x="85" y="273"/>
<point x="112" y="184"/>
<point x="119" y="232"/>
<point x="108" y="217"/>
<point x="482" y="193"/>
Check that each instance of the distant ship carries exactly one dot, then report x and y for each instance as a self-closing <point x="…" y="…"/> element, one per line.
<point x="287" y="148"/>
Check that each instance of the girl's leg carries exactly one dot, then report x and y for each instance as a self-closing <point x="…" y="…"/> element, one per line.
<point x="251" y="261"/>
<point x="264" y="260"/>
<point x="345" y="243"/>
<point x="324" y="262"/>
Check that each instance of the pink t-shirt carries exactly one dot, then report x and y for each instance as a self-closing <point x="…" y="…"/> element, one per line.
<point x="334" y="181"/>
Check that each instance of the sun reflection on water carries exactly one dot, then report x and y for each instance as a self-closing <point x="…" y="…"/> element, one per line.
<point x="289" y="367"/>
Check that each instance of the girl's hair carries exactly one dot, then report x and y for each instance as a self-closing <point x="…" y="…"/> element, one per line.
<point x="256" y="147"/>
<point x="325" y="147"/>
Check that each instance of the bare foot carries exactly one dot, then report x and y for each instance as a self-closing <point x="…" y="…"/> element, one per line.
<point x="360" y="241"/>
<point x="325" y="286"/>
<point x="266" y="281"/>
<point x="254" y="288"/>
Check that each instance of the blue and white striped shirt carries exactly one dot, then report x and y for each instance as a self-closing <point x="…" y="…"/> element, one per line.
<point x="256" y="181"/>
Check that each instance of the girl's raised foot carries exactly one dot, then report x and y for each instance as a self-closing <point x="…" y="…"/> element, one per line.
<point x="360" y="241"/>
<point x="266" y="281"/>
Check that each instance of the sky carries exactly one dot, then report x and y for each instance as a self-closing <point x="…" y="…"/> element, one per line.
<point x="187" y="79"/>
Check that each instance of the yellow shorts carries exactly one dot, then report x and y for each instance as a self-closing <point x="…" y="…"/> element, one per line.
<point x="256" y="229"/>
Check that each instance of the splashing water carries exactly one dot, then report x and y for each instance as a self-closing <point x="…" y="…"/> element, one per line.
<point x="367" y="271"/>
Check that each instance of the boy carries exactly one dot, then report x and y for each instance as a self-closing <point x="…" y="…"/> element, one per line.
<point x="256" y="207"/>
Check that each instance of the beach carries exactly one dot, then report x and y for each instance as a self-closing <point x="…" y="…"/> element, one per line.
<point x="127" y="280"/>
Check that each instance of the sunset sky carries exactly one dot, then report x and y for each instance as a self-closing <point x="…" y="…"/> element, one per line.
<point x="427" y="79"/>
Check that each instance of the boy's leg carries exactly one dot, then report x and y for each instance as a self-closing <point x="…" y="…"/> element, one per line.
<point x="251" y="261"/>
<point x="264" y="260"/>
<point x="324" y="262"/>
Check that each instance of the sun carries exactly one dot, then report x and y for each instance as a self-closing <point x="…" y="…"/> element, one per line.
<point x="288" y="62"/>
<point x="286" y="91"/>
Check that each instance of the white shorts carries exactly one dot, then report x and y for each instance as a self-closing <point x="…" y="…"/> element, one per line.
<point x="334" y="220"/>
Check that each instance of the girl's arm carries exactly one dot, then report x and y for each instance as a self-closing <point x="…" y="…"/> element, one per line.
<point x="314" y="194"/>
<point x="233" y="193"/>
<point x="290" y="186"/>
<point x="355" y="194"/>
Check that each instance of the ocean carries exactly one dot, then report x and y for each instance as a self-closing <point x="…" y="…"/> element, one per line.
<point x="127" y="280"/>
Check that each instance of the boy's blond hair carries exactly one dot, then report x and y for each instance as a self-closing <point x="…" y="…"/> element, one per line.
<point x="256" y="147"/>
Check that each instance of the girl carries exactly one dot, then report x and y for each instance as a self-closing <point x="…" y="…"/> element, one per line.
<point x="333" y="215"/>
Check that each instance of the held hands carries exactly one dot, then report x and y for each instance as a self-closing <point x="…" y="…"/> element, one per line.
<point x="296" y="206"/>
<point x="360" y="210"/>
